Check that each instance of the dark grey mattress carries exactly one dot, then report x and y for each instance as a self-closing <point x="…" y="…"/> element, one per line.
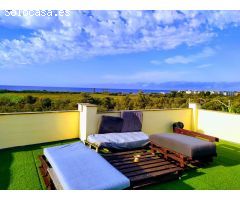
<point x="186" y="145"/>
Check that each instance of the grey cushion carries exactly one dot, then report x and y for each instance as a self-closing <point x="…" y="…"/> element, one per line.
<point x="186" y="145"/>
<point x="121" y="141"/>
<point x="110" y="124"/>
<point x="132" y="121"/>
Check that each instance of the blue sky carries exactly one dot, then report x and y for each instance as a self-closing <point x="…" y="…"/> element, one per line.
<point x="122" y="49"/>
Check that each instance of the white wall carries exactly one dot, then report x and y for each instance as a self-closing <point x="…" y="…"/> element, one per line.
<point x="219" y="124"/>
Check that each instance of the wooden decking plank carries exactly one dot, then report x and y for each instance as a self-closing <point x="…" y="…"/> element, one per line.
<point x="148" y="170"/>
<point x="140" y="163"/>
<point x="146" y="166"/>
<point x="142" y="154"/>
<point x="125" y="152"/>
<point x="120" y="163"/>
<point x="131" y="158"/>
<point x="154" y="174"/>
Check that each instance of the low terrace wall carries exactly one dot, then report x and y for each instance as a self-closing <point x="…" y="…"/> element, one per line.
<point x="219" y="124"/>
<point x="18" y="129"/>
<point x="154" y="121"/>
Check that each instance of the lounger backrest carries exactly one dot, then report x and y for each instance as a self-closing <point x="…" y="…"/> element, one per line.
<point x="132" y="121"/>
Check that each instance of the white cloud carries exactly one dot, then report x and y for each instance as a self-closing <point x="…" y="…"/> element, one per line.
<point x="221" y="19"/>
<point x="85" y="34"/>
<point x="179" y="59"/>
<point x="145" y="77"/>
<point x="156" y="62"/>
<point x="203" y="66"/>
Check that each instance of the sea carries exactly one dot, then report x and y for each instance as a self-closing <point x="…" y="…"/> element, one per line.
<point x="77" y="89"/>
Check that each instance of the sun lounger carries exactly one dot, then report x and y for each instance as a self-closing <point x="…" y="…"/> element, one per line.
<point x="80" y="168"/>
<point x="76" y="167"/>
<point x="184" y="146"/>
<point x="119" y="141"/>
<point x="126" y="132"/>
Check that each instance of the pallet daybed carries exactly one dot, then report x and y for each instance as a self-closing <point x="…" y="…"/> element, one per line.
<point x="181" y="158"/>
<point x="140" y="166"/>
<point x="143" y="166"/>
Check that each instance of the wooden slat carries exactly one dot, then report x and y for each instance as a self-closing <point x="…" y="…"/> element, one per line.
<point x="131" y="158"/>
<point x="137" y="168"/>
<point x="146" y="171"/>
<point x="140" y="163"/>
<point x="131" y="161"/>
<point x="154" y="174"/>
<point x="131" y="155"/>
<point x="124" y="153"/>
<point x="196" y="134"/>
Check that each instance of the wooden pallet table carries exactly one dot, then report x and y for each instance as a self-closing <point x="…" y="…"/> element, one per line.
<point x="144" y="168"/>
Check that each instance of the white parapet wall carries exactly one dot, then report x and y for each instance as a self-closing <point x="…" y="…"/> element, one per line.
<point x="219" y="124"/>
<point x="154" y="121"/>
<point x="18" y="129"/>
<point x="160" y="121"/>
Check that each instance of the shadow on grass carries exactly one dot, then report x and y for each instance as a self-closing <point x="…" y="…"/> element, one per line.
<point x="5" y="163"/>
<point x="228" y="155"/>
<point x="178" y="184"/>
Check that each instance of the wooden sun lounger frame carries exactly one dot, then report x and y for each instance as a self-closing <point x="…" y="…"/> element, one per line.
<point x="144" y="170"/>
<point x="150" y="168"/>
<point x="180" y="158"/>
<point x="92" y="145"/>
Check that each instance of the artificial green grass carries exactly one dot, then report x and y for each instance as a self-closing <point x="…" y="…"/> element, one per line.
<point x="19" y="167"/>
<point x="19" y="170"/>
<point x="222" y="174"/>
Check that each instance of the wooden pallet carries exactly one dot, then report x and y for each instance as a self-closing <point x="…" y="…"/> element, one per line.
<point x="44" y="170"/>
<point x="144" y="168"/>
<point x="148" y="169"/>
<point x="181" y="159"/>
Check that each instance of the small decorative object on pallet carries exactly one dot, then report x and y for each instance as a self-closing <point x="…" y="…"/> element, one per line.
<point x="136" y="157"/>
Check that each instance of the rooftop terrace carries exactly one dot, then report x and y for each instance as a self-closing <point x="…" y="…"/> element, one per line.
<point x="19" y="170"/>
<point x="24" y="135"/>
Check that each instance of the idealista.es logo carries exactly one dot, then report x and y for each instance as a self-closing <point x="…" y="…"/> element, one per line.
<point x="47" y="13"/>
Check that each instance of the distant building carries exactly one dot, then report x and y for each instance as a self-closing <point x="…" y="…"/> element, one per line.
<point x="188" y="92"/>
<point x="212" y="92"/>
<point x="236" y="93"/>
<point x="228" y="93"/>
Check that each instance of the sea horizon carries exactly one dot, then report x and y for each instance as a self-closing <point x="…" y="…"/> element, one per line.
<point x="77" y="89"/>
<point x="89" y="89"/>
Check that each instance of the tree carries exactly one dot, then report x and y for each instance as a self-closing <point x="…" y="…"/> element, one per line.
<point x="30" y="99"/>
<point x="46" y="103"/>
<point x="108" y="103"/>
<point x="141" y="101"/>
<point x="127" y="103"/>
<point x="124" y="103"/>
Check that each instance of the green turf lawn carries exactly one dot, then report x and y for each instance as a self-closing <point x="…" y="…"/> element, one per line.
<point x="19" y="170"/>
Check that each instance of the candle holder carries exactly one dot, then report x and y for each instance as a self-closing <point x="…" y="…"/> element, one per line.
<point x="136" y="157"/>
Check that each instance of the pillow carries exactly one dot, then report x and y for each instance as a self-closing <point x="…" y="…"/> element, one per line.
<point x="178" y="125"/>
<point x="110" y="125"/>
<point x="132" y="121"/>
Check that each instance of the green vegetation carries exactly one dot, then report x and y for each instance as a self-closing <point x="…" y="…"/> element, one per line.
<point x="19" y="170"/>
<point x="32" y="101"/>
